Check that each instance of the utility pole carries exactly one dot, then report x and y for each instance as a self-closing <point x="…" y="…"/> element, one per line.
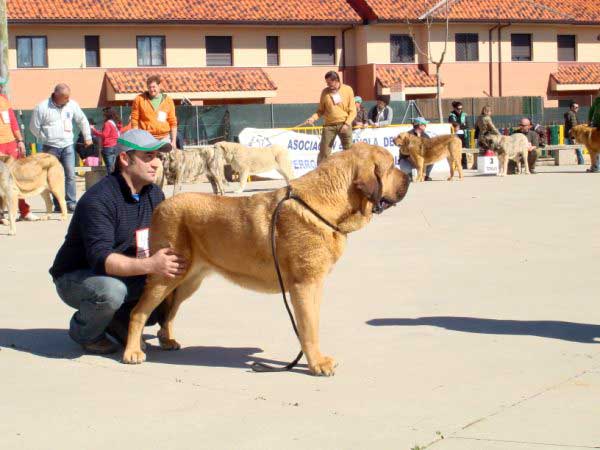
<point x="4" y="47"/>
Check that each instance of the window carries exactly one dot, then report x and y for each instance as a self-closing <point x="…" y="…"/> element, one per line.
<point x="151" y="50"/>
<point x="218" y="51"/>
<point x="92" y="51"/>
<point x="565" y="103"/>
<point x="323" y="50"/>
<point x="520" y="45"/>
<point x="467" y="46"/>
<point x="32" y="51"/>
<point x="566" y="47"/>
<point x="402" y="48"/>
<point x="272" y="50"/>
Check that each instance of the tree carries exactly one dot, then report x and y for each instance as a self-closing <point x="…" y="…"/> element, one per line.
<point x="428" y="20"/>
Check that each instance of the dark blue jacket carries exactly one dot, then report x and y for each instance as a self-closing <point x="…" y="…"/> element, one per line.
<point x="105" y="221"/>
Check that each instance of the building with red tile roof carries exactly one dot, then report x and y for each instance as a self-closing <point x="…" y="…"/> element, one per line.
<point x="269" y="51"/>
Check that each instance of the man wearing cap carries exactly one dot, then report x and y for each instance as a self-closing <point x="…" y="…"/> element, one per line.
<point x="381" y="114"/>
<point x="419" y="126"/>
<point x="338" y="109"/>
<point x="101" y="268"/>
<point x="362" y="117"/>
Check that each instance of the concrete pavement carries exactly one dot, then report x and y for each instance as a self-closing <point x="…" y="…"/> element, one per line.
<point x="466" y="318"/>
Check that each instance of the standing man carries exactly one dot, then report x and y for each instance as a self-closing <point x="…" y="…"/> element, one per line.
<point x="101" y="268"/>
<point x="52" y="124"/>
<point x="154" y="112"/>
<point x="338" y="109"/>
<point x="11" y="144"/>
<point x="570" y="122"/>
<point x="458" y="120"/>
<point x="381" y="114"/>
<point x="534" y="142"/>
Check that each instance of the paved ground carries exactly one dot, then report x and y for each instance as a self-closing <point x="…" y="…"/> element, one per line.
<point x="466" y="318"/>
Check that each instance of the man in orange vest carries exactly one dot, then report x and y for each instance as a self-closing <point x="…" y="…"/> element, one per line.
<point x="154" y="112"/>
<point x="11" y="144"/>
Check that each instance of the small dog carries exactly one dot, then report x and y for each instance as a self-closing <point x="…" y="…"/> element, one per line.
<point x="39" y="174"/>
<point x="514" y="147"/>
<point x="186" y="166"/>
<point x="252" y="160"/>
<point x="424" y="151"/>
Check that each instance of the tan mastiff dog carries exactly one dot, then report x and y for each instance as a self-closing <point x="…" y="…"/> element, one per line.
<point x="590" y="137"/>
<point x="39" y="174"/>
<point x="423" y="151"/>
<point x="231" y="236"/>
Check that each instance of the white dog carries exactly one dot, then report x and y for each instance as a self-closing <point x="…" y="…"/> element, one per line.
<point x="252" y="160"/>
<point x="513" y="147"/>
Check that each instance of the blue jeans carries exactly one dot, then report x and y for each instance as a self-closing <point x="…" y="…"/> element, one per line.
<point x="109" y="155"/>
<point x="407" y="167"/>
<point x="578" y="151"/>
<point x="66" y="156"/>
<point x="98" y="298"/>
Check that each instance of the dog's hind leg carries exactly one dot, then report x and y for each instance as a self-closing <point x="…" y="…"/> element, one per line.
<point x="12" y="204"/>
<point x="526" y="162"/>
<point x="49" y="205"/>
<point x="244" y="174"/>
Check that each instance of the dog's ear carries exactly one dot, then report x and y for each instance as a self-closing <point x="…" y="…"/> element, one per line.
<point x="368" y="183"/>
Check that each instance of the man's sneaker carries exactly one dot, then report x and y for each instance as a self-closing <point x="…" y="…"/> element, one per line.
<point x="102" y="347"/>
<point x="71" y="209"/>
<point x="428" y="179"/>
<point x="30" y="217"/>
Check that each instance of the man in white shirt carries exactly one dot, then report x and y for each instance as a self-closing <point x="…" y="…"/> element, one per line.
<point x="52" y="124"/>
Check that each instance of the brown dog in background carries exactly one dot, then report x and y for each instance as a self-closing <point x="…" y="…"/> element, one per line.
<point x="424" y="151"/>
<point x="39" y="174"/>
<point x="231" y="236"/>
<point x="590" y="137"/>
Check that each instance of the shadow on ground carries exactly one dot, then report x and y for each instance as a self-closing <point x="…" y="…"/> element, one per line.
<point x="56" y="343"/>
<point x="567" y="331"/>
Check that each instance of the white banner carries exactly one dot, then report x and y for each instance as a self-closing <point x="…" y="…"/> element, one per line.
<point x="304" y="148"/>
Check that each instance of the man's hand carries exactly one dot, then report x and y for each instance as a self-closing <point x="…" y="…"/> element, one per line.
<point x="21" y="148"/>
<point x="87" y="142"/>
<point x="309" y="121"/>
<point x="168" y="263"/>
<point x="345" y="127"/>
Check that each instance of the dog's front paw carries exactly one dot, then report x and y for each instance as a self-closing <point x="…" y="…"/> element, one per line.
<point x="325" y="366"/>
<point x="169" y="344"/>
<point x="133" y="356"/>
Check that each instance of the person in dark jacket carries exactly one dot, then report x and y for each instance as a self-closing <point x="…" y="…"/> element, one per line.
<point x="362" y="118"/>
<point x="458" y="120"/>
<point x="101" y="268"/>
<point x="381" y="114"/>
<point x="534" y="143"/>
<point x="570" y="122"/>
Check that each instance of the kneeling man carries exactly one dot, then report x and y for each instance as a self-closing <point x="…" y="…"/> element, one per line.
<point x="101" y="268"/>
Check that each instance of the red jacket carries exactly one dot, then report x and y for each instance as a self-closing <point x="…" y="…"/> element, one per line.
<point x="109" y="134"/>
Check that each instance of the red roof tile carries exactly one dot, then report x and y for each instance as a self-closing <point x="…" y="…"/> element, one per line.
<point x="204" y="11"/>
<point x="392" y="76"/>
<point x="577" y="74"/>
<point x="129" y="81"/>
<point x="545" y="11"/>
